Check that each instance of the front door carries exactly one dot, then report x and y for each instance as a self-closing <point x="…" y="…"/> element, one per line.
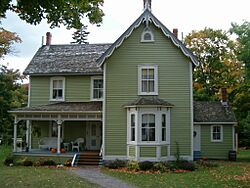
<point x="93" y="133"/>
<point x="197" y="138"/>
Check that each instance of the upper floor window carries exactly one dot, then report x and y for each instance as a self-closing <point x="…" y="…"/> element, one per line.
<point x="57" y="88"/>
<point x="216" y="133"/>
<point x="97" y="88"/>
<point x="147" y="35"/>
<point x="148" y="80"/>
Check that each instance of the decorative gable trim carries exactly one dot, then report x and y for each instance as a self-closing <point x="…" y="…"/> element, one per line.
<point x="147" y="17"/>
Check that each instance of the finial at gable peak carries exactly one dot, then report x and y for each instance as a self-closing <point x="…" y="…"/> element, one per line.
<point x="147" y="4"/>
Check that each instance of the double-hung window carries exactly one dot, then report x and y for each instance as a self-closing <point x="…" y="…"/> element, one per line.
<point x="163" y="128"/>
<point x="216" y="133"/>
<point x="148" y="127"/>
<point x="97" y="88"/>
<point x="132" y="127"/>
<point x="148" y="80"/>
<point x="57" y="89"/>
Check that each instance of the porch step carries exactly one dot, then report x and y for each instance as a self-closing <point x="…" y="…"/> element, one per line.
<point x="89" y="158"/>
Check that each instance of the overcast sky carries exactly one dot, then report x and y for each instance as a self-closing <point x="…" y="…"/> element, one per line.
<point x="186" y="15"/>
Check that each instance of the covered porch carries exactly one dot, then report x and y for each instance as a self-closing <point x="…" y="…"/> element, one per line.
<point x="61" y="129"/>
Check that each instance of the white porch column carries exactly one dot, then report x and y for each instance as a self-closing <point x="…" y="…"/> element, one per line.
<point x="15" y="134"/>
<point x="27" y="133"/>
<point x="59" y="125"/>
<point x="30" y="130"/>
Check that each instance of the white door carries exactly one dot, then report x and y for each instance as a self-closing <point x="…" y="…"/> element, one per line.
<point x="93" y="133"/>
<point x="197" y="138"/>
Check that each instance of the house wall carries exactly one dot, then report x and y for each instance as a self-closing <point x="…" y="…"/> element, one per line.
<point x="122" y="87"/>
<point x="77" y="89"/>
<point x="216" y="150"/>
<point x="74" y="130"/>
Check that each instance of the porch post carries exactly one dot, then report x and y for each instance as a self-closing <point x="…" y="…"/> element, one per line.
<point x="59" y="124"/>
<point x="27" y="132"/>
<point x="30" y="130"/>
<point x="15" y="134"/>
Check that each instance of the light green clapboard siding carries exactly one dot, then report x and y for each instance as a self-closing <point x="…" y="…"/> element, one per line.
<point x="77" y="89"/>
<point x="74" y="130"/>
<point x="216" y="150"/>
<point x="148" y="151"/>
<point x="164" y="151"/>
<point x="131" y="151"/>
<point x="122" y="86"/>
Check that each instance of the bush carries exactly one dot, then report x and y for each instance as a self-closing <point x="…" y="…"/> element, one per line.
<point x="207" y="164"/>
<point x="67" y="162"/>
<point x="161" y="166"/>
<point x="133" y="165"/>
<point x="146" y="165"/>
<point x="49" y="162"/>
<point x="39" y="162"/>
<point x="186" y="165"/>
<point x="115" y="164"/>
<point x="9" y="160"/>
<point x="27" y="163"/>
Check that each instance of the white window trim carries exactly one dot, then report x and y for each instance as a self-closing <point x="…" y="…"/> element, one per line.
<point x="138" y="127"/>
<point x="155" y="67"/>
<point x="147" y="31"/>
<point x="221" y="133"/>
<point x="51" y="88"/>
<point x="92" y="88"/>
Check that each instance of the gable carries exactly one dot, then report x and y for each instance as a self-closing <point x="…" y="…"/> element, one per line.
<point x="146" y="18"/>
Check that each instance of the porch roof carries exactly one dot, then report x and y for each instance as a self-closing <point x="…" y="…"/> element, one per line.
<point x="63" y="111"/>
<point x="63" y="107"/>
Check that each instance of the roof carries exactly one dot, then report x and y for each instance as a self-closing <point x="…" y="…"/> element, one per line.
<point x="212" y="111"/>
<point x="67" y="59"/>
<point x="149" y="101"/>
<point x="63" y="107"/>
<point x="147" y="16"/>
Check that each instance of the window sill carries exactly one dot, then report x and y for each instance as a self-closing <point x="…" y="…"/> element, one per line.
<point x="148" y="94"/>
<point x="97" y="99"/>
<point x="56" y="100"/>
<point x="216" y="141"/>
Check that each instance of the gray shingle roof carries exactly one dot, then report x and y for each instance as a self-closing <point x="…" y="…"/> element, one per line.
<point x="67" y="59"/>
<point x="64" y="107"/>
<point x="212" y="111"/>
<point x="149" y="101"/>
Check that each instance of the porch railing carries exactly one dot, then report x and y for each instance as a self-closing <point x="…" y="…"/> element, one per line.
<point x="101" y="151"/>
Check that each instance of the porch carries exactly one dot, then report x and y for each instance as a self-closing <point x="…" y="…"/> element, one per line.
<point x="58" y="129"/>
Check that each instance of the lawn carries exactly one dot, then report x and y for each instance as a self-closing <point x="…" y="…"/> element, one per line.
<point x="227" y="174"/>
<point x="35" y="177"/>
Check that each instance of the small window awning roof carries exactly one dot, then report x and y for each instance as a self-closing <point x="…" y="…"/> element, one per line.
<point x="148" y="102"/>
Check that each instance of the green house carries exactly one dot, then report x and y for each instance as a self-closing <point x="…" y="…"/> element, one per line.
<point x="130" y="100"/>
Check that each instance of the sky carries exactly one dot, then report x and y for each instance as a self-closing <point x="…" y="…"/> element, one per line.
<point x="186" y="15"/>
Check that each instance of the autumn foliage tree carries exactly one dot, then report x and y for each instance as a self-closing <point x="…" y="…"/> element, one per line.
<point x="219" y="66"/>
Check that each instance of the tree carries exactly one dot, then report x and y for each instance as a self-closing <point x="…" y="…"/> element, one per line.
<point x="7" y="39"/>
<point x="12" y="95"/>
<point x="243" y="33"/>
<point x="80" y="36"/>
<point x="56" y="12"/>
<point x="244" y="131"/>
<point x="219" y="66"/>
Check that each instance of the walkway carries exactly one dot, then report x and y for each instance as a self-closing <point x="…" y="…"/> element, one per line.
<point x="94" y="175"/>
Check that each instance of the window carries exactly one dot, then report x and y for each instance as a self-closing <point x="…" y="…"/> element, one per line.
<point x="148" y="127"/>
<point x="148" y="80"/>
<point x="57" y="89"/>
<point x="216" y="133"/>
<point x="97" y="89"/>
<point x="163" y="128"/>
<point x="132" y="127"/>
<point x="147" y="35"/>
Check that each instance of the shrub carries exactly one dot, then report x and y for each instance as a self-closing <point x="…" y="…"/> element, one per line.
<point x="133" y="165"/>
<point x="186" y="165"/>
<point x="49" y="162"/>
<point x="161" y="166"/>
<point x="9" y="160"/>
<point x="27" y="162"/>
<point x="146" y="165"/>
<point x="67" y="162"/>
<point x="115" y="164"/>
<point x="205" y="163"/>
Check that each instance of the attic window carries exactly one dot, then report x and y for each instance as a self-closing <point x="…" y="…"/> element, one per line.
<point x="147" y="36"/>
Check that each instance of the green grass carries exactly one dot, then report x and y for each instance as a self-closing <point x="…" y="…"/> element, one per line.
<point x="35" y="177"/>
<point x="227" y="174"/>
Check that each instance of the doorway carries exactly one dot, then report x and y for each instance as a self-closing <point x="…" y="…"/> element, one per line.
<point x="93" y="135"/>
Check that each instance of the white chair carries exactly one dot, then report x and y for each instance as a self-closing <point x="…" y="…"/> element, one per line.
<point x="77" y="143"/>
